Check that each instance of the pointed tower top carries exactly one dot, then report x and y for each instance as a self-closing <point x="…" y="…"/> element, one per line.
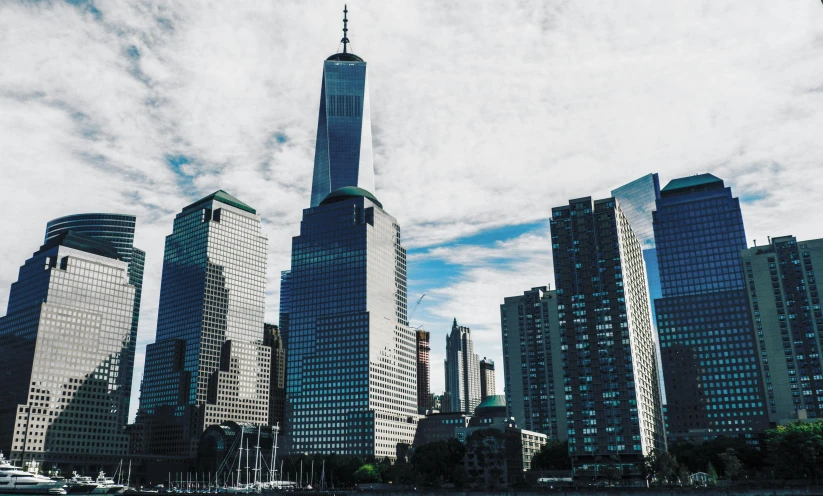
<point x="345" y="39"/>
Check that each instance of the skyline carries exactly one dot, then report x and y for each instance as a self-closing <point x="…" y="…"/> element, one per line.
<point x="199" y="99"/>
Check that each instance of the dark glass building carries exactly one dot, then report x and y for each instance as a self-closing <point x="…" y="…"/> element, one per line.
<point x="343" y="154"/>
<point x="612" y="390"/>
<point x="277" y="378"/>
<point x="788" y="320"/>
<point x="118" y="229"/>
<point x="285" y="305"/>
<point x="62" y="345"/>
<point x="351" y="382"/>
<point x="208" y="363"/>
<point x="533" y="362"/>
<point x="710" y="361"/>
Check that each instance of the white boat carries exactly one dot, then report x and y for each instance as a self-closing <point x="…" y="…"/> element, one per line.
<point x="80" y="484"/>
<point x="14" y="480"/>
<point x="106" y="485"/>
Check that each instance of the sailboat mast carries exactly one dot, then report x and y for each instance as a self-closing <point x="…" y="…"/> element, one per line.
<point x="240" y="456"/>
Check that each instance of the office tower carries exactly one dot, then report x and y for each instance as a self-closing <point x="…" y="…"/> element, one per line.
<point x="532" y="362"/>
<point x="424" y="399"/>
<point x="708" y="346"/>
<point x="462" y="368"/>
<point x="343" y="153"/>
<point x="119" y="230"/>
<point x="285" y="305"/>
<point x="637" y="200"/>
<point x="352" y="372"/>
<point x="277" y="377"/>
<point x="62" y="340"/>
<point x="208" y="363"/>
<point x="487" y="386"/>
<point x="613" y="400"/>
<point x="785" y="304"/>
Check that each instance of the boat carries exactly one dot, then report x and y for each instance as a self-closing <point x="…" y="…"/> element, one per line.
<point x="14" y="480"/>
<point x="80" y="484"/>
<point x="106" y="485"/>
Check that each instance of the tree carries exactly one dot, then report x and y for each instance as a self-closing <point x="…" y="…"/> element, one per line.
<point x="796" y="450"/>
<point x="367" y="473"/>
<point x="661" y="467"/>
<point x="732" y="466"/>
<point x="684" y="476"/>
<point x="436" y="461"/>
<point x="553" y="455"/>
<point x="711" y="473"/>
<point x="487" y="449"/>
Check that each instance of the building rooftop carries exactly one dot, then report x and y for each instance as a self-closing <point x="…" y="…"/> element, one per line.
<point x="345" y="57"/>
<point x="223" y="197"/>
<point x="492" y="402"/>
<point x="347" y="192"/>
<point x="697" y="182"/>
<point x="78" y="241"/>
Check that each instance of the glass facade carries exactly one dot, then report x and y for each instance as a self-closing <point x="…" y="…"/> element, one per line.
<point x="208" y="364"/>
<point x="285" y="305"/>
<point x="343" y="154"/>
<point x="462" y="368"/>
<point x="788" y="321"/>
<point x="351" y="361"/>
<point x="611" y="385"/>
<point x="62" y="347"/>
<point x="119" y="230"/>
<point x="532" y="362"/>
<point x="710" y="362"/>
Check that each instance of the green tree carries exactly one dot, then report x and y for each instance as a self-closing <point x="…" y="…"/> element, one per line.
<point x="488" y="448"/>
<point x="553" y="455"/>
<point x="796" y="450"/>
<point x="711" y="473"/>
<point x="732" y="466"/>
<point x="683" y="475"/>
<point x="436" y="461"/>
<point x="660" y="467"/>
<point x="367" y="473"/>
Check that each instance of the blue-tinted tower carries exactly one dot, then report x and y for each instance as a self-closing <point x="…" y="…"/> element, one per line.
<point x="119" y="230"/>
<point x="351" y="373"/>
<point x="710" y="361"/>
<point x="343" y="152"/>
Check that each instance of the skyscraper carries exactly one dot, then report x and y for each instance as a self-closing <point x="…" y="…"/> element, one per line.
<point x="285" y="305"/>
<point x="533" y="362"/>
<point x="710" y="361"/>
<point x="62" y="342"/>
<point x="424" y="398"/>
<point x="119" y="230"/>
<point x="613" y="399"/>
<point x="785" y="304"/>
<point x="352" y="372"/>
<point x="487" y="385"/>
<point x="462" y="367"/>
<point x="208" y="363"/>
<point x="343" y="153"/>
<point x="277" y="378"/>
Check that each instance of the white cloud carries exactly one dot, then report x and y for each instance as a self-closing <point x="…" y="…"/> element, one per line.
<point x="485" y="115"/>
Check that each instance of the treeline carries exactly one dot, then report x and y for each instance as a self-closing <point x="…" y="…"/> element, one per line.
<point x="432" y="464"/>
<point x="789" y="452"/>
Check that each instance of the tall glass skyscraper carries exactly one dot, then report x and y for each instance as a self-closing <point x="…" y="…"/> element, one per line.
<point x="462" y="368"/>
<point x="710" y="362"/>
<point x="613" y="399"/>
<point x="62" y="347"/>
<point x="285" y="306"/>
<point x="119" y="230"/>
<point x="351" y="361"/>
<point x="343" y="153"/>
<point x="209" y="363"/>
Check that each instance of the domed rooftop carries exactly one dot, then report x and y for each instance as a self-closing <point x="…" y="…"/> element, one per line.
<point x="492" y="404"/>
<point x="347" y="192"/>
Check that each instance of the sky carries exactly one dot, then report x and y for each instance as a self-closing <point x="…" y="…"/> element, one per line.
<point x="485" y="116"/>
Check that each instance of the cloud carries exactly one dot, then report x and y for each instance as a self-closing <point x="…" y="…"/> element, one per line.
<point x="485" y="116"/>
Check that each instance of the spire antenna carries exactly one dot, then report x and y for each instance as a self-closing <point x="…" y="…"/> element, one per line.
<point x="345" y="39"/>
